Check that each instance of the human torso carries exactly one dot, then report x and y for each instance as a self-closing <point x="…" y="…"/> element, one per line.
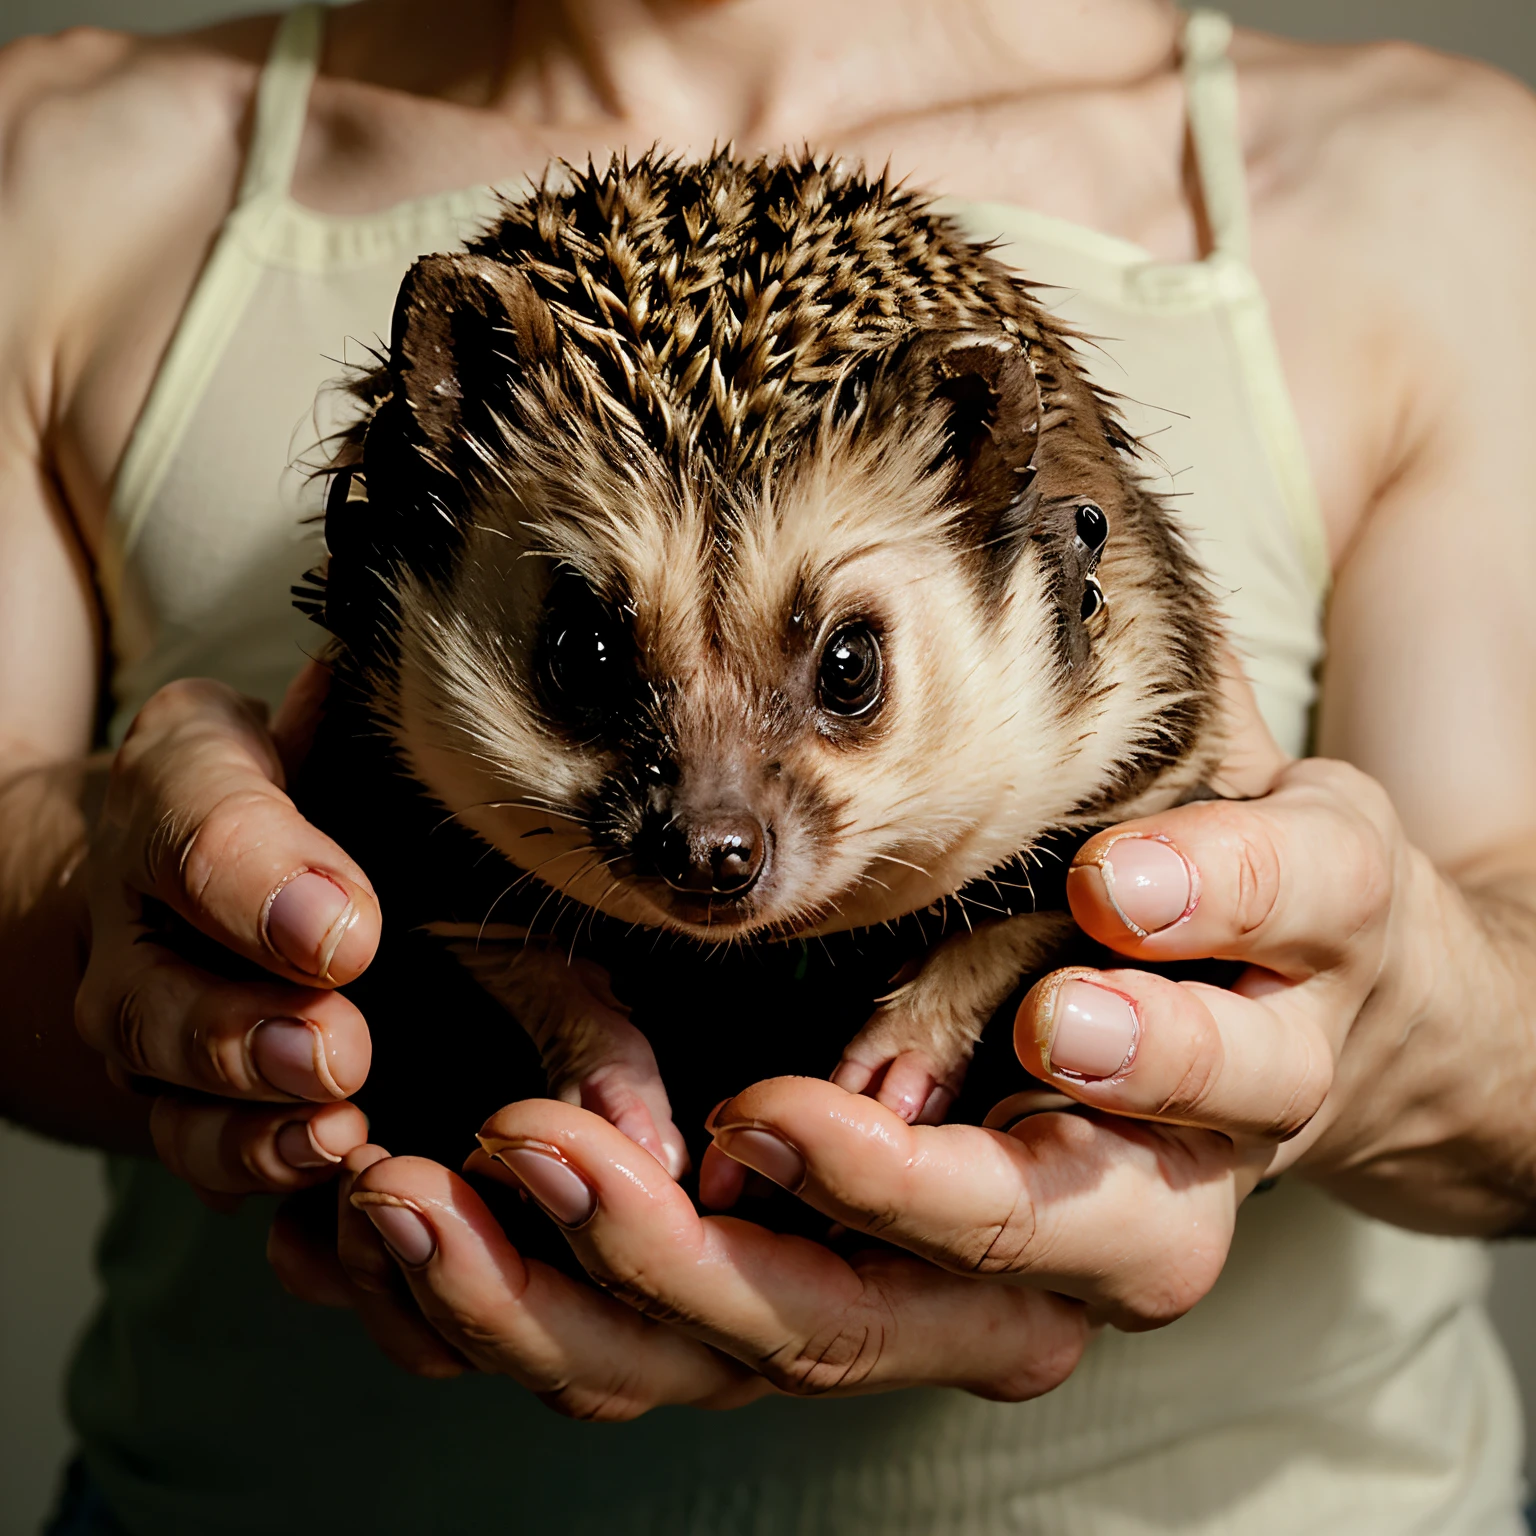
<point x="1321" y="1316"/>
<point x="1111" y="156"/>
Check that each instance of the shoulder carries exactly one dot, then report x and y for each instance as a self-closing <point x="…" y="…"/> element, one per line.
<point x="119" y="156"/>
<point x="111" y="94"/>
<point x="109" y="141"/>
<point x="1394" y="201"/>
<point x="1394" y="146"/>
<point x="83" y="109"/>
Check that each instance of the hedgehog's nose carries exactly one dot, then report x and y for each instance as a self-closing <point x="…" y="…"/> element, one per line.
<point x="719" y="855"/>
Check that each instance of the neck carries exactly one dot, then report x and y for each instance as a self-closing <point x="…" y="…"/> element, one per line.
<point x="765" y="73"/>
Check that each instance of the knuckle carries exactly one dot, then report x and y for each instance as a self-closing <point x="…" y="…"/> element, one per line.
<point x="363" y="1260"/>
<point x="1175" y="1290"/>
<point x="168" y="1131"/>
<point x="129" y="1021"/>
<point x="1162" y="1298"/>
<point x="1054" y="1358"/>
<point x="251" y="1150"/>
<point x="216" y="1047"/>
<point x="1365" y="867"/>
<point x="168" y="705"/>
<point x="1198" y="1079"/>
<point x="196" y="851"/>
<point x="1003" y="1247"/>
<point x="839" y="1357"/>
<point x="1314" y="1081"/>
<point x="618" y="1404"/>
<point x="1258" y="882"/>
<point x="633" y="1289"/>
<point x="91" y="1011"/>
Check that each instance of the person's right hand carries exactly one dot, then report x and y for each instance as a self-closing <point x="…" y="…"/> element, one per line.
<point x="250" y="1075"/>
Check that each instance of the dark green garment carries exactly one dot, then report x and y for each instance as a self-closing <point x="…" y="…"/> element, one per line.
<point x="211" y="1402"/>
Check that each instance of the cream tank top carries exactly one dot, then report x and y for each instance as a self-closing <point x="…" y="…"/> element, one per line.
<point x="1341" y="1376"/>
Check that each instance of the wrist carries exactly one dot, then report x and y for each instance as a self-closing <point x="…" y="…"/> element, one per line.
<point x="1429" y="1123"/>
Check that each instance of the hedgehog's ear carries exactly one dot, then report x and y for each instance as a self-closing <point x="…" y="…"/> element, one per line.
<point x="461" y="326"/>
<point x="987" y="386"/>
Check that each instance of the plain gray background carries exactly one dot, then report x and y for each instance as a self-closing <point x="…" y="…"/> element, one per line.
<point x="50" y="1198"/>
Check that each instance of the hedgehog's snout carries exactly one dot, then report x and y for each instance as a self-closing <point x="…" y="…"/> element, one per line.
<point x="718" y="854"/>
<point x="709" y="856"/>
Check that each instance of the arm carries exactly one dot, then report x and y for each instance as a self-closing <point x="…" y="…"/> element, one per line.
<point x="49" y="1078"/>
<point x="1385" y="894"/>
<point x="96" y="258"/>
<point x="1428" y="689"/>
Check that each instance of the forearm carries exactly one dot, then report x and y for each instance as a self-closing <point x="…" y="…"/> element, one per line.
<point x="50" y="1080"/>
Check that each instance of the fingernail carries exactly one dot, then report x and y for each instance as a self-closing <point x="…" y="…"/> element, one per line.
<point x="563" y="1193"/>
<point x="290" y="1055"/>
<point x="1148" y="883"/>
<point x="1094" y="1033"/>
<point x="709" y="1119"/>
<point x="300" y="1150"/>
<point x="307" y="921"/>
<point x="764" y="1152"/>
<point x="405" y="1232"/>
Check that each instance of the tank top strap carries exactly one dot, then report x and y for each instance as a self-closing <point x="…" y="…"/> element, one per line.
<point x="1210" y="88"/>
<point x="282" y="100"/>
<point x="223" y="290"/>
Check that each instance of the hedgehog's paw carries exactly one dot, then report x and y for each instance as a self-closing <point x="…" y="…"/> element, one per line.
<point x="911" y="1067"/>
<point x="913" y="1054"/>
<point x="603" y="1063"/>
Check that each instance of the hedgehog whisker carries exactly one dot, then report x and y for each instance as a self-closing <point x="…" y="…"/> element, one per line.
<point x="890" y="858"/>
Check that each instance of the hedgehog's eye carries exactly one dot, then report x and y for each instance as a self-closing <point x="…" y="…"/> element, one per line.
<point x="1092" y="527"/>
<point x="583" y="658"/>
<point x="586" y="651"/>
<point x="848" y="683"/>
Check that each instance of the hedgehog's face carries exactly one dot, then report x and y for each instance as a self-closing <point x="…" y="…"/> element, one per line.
<point x="817" y="727"/>
<point x="818" y="693"/>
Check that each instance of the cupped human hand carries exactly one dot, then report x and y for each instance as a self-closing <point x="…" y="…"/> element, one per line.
<point x="250" y="1063"/>
<point x="1108" y="1196"/>
<point x="1330" y="1048"/>
<point x="1001" y="1248"/>
<point x="711" y="1311"/>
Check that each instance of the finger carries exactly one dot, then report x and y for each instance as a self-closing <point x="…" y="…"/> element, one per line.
<point x="230" y="1149"/>
<point x="1131" y="1218"/>
<point x="584" y="1353"/>
<point x="153" y="1014"/>
<point x="1292" y="882"/>
<point x="721" y="1181"/>
<point x="302" y="1250"/>
<point x="808" y="1320"/>
<point x="1136" y="1043"/>
<point x="196" y="811"/>
<point x="359" y="1247"/>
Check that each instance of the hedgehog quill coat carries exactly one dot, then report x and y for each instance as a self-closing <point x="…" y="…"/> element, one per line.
<point x="738" y="552"/>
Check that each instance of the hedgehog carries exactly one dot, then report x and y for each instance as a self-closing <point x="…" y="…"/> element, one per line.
<point x="732" y="553"/>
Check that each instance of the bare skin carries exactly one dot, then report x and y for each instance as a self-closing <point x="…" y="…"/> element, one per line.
<point x="1394" y="229"/>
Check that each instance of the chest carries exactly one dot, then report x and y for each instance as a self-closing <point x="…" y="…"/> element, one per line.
<point x="1116" y="159"/>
